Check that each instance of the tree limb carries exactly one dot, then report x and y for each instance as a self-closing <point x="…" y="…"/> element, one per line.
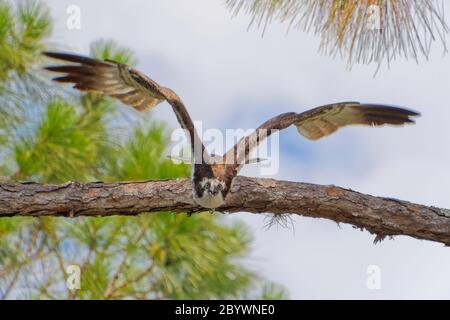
<point x="381" y="216"/>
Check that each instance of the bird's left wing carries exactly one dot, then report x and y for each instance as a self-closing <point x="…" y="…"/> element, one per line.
<point x="323" y="121"/>
<point x="319" y="122"/>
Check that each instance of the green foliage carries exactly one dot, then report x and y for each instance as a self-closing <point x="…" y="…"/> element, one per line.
<point x="272" y="291"/>
<point x="85" y="138"/>
<point x="62" y="134"/>
<point x="142" y="157"/>
<point x="23" y="31"/>
<point x="110" y="50"/>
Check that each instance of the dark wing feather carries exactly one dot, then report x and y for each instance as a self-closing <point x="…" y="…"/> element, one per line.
<point x="319" y="122"/>
<point x="123" y="83"/>
<point x="323" y="121"/>
<point x="114" y="79"/>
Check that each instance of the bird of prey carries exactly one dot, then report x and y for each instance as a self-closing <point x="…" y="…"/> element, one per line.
<point x="212" y="178"/>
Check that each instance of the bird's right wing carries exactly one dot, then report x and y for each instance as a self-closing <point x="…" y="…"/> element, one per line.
<point x="110" y="78"/>
<point x="122" y="82"/>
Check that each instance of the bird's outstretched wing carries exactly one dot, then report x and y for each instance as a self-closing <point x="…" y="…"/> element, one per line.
<point x="323" y="121"/>
<point x="110" y="78"/>
<point x="122" y="82"/>
<point x="320" y="122"/>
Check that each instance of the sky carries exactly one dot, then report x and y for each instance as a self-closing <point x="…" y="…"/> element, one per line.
<point x="232" y="77"/>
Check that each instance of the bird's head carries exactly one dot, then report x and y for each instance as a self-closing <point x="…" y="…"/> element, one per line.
<point x="213" y="186"/>
<point x="210" y="192"/>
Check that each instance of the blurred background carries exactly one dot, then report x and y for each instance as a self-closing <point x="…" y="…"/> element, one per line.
<point x="229" y="75"/>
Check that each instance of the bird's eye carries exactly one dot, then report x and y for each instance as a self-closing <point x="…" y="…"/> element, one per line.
<point x="207" y="185"/>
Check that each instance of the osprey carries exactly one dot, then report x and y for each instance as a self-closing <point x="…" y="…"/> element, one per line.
<point x="212" y="177"/>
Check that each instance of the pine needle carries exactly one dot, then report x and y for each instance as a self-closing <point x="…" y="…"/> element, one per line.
<point x="362" y="32"/>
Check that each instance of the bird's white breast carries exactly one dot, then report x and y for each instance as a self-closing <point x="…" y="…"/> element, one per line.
<point x="210" y="202"/>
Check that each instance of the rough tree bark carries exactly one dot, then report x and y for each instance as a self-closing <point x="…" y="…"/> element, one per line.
<point x="381" y="216"/>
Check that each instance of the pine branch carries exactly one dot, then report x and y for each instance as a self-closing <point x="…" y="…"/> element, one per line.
<point x="362" y="31"/>
<point x="380" y="216"/>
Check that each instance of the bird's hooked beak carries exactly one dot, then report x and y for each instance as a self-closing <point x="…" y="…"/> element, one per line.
<point x="213" y="192"/>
